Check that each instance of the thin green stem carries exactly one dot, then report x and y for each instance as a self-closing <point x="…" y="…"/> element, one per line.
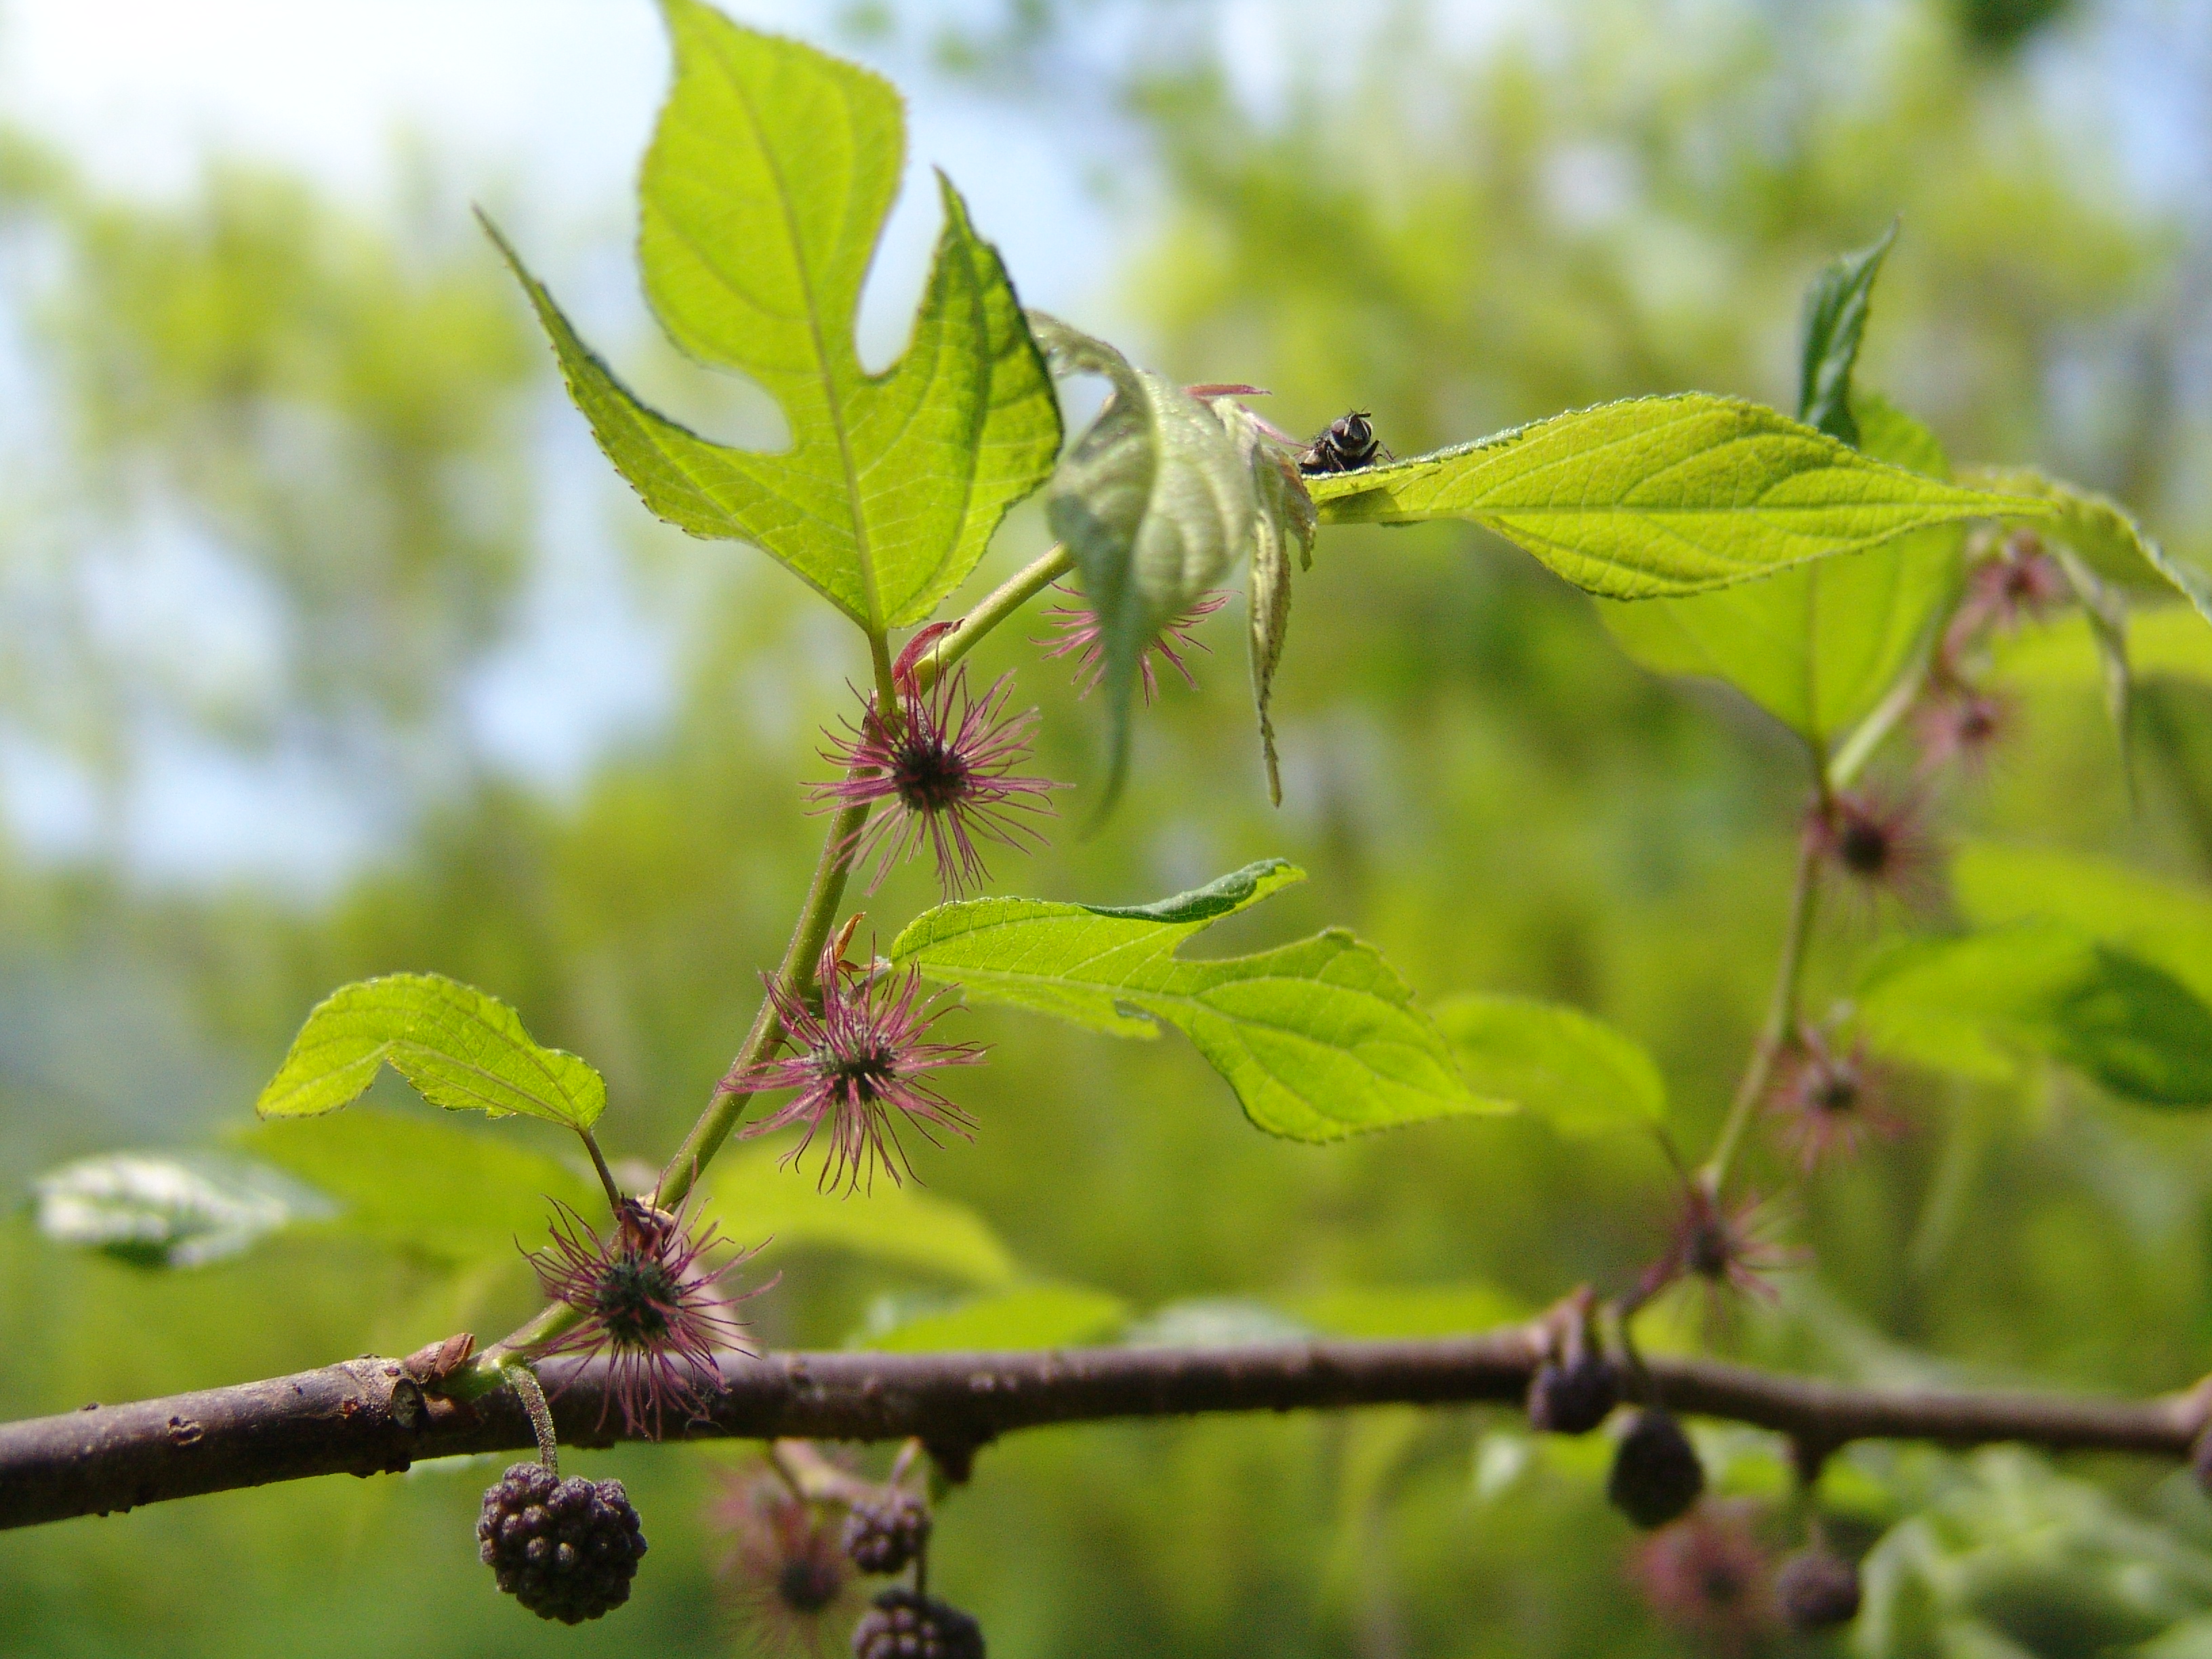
<point x="1010" y="596"/>
<point x="1858" y="749"/>
<point x="795" y="976"/>
<point x="1781" y="1015"/>
<point x="553" y="1320"/>
<point x="887" y="696"/>
<point x="607" y="1175"/>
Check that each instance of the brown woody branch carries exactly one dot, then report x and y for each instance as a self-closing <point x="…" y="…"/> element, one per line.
<point x="367" y="1417"/>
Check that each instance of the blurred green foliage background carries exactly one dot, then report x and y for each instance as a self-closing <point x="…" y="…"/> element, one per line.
<point x="344" y="419"/>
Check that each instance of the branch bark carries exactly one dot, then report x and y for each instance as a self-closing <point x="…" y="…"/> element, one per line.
<point x="367" y="1417"/>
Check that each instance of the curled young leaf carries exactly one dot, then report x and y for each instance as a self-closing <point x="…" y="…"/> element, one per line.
<point x="461" y="1049"/>
<point x="1284" y="519"/>
<point x="1835" y="323"/>
<point x="1156" y="501"/>
<point x="1319" y="1039"/>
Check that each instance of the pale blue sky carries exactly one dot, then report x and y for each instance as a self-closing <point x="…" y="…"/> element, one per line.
<point x="543" y="107"/>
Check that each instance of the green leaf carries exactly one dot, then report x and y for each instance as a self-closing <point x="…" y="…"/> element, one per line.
<point x="1580" y="1074"/>
<point x="2167" y="923"/>
<point x="2103" y="536"/>
<point x="1030" y="1317"/>
<point x="1319" y="1039"/>
<point x="1818" y="645"/>
<point x="1409" y="1311"/>
<point x="429" y="1188"/>
<point x="901" y="1226"/>
<point x="1835" y="322"/>
<point x="463" y="1049"/>
<point x="170" y="1209"/>
<point x="2106" y="611"/>
<point x="763" y="196"/>
<point x="1660" y="496"/>
<point x="1969" y="1005"/>
<point x="2171" y="642"/>
<point x="1213" y="1322"/>
<point x="1156" y="500"/>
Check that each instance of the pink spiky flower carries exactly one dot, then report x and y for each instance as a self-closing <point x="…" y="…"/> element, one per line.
<point x="1828" y="1100"/>
<point x="1881" y="844"/>
<point x="2021" y="580"/>
<point x="1708" y="1575"/>
<point x="649" y="1304"/>
<point x="1081" y="637"/>
<point x="860" y="1059"/>
<point x="1730" y="1248"/>
<point x="945" y="775"/>
<point x="786" y="1570"/>
<point x="1956" y="722"/>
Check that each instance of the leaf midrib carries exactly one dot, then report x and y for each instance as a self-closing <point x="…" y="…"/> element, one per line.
<point x="1191" y="999"/>
<point x="861" y="552"/>
<point x="382" y="1054"/>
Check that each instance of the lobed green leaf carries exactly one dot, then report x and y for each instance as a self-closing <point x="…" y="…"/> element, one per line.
<point x="1578" y="1072"/>
<point x="1318" y="1039"/>
<point x="461" y="1049"/>
<point x="763" y="196"/>
<point x="1659" y="497"/>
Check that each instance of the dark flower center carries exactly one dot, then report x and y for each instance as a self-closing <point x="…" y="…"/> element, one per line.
<point x="1711" y="1248"/>
<point x="1864" y="847"/>
<point x="1833" y="1090"/>
<point x="1722" y="1583"/>
<point x="807" y="1583"/>
<point x="868" y="1074"/>
<point x="634" y="1299"/>
<point x="929" y="774"/>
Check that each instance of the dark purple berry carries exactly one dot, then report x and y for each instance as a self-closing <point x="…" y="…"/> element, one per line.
<point x="1817" y="1590"/>
<point x="883" y="1534"/>
<point x="1656" y="1471"/>
<point x="1574" y="1397"/>
<point x="906" y="1625"/>
<point x="565" y="1549"/>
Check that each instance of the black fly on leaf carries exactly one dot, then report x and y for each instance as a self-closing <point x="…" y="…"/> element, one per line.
<point x="1349" y="444"/>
